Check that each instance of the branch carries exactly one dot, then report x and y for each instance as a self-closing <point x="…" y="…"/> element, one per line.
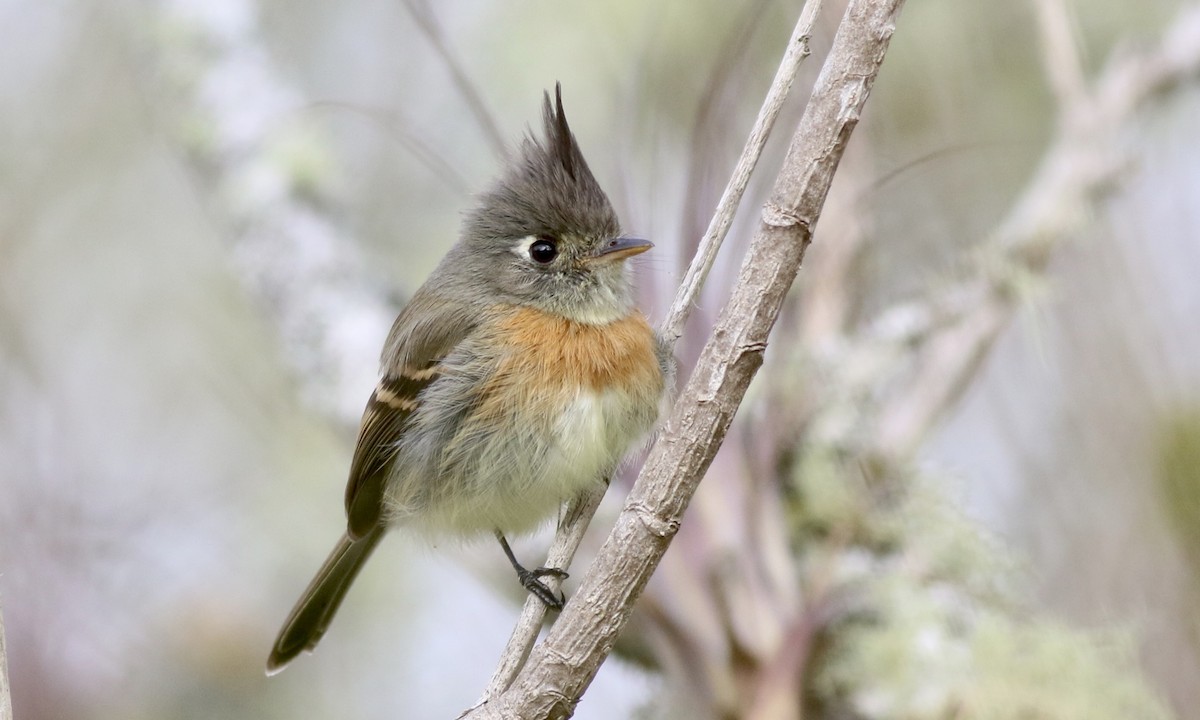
<point x="1060" y="52"/>
<point x="580" y="512"/>
<point x="560" y="669"/>
<point x="562" y="551"/>
<point x="949" y="335"/>
<point x="718" y="228"/>
<point x="5" y="693"/>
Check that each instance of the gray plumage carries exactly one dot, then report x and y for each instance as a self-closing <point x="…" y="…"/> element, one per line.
<point x="451" y="441"/>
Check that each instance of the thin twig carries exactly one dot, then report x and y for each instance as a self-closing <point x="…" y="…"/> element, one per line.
<point x="1060" y="53"/>
<point x="561" y="668"/>
<point x="426" y="21"/>
<point x="718" y="228"/>
<point x="1084" y="160"/>
<point x="572" y="529"/>
<point x="5" y="692"/>
<point x="580" y="512"/>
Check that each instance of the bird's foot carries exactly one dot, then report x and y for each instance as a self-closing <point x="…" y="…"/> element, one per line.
<point x="531" y="580"/>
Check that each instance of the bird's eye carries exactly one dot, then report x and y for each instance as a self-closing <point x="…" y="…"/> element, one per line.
<point x="543" y="250"/>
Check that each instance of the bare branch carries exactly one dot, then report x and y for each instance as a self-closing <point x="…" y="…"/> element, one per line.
<point x="950" y="334"/>
<point x="1060" y="52"/>
<point x="571" y="531"/>
<point x="580" y="512"/>
<point x="5" y="693"/>
<point x="560" y="669"/>
<point x="706" y="255"/>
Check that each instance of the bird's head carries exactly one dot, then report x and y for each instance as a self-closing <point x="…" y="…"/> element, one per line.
<point x="546" y="235"/>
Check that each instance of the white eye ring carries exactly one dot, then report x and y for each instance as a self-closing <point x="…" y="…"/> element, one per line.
<point x="525" y="248"/>
<point x="521" y="248"/>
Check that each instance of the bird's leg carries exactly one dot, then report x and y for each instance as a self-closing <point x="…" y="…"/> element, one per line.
<point x="531" y="579"/>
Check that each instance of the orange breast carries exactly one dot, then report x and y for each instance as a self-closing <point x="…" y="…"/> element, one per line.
<point x="557" y="351"/>
<point x="548" y="359"/>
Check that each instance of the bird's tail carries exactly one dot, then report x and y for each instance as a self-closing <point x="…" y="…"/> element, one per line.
<point x="319" y="603"/>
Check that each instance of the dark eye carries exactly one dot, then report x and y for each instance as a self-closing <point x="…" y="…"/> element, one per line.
<point x="543" y="250"/>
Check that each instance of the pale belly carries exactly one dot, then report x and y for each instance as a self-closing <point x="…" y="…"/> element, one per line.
<point x="514" y="486"/>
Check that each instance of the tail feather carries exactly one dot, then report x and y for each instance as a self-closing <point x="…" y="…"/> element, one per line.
<point x="310" y="618"/>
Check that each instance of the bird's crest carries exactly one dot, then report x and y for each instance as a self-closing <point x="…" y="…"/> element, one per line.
<point x="547" y="188"/>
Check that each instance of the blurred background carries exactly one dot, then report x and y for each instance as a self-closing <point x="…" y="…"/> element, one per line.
<point x="966" y="484"/>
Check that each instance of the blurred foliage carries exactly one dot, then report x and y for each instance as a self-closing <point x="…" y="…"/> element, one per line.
<point x="1178" y="475"/>
<point x="929" y="625"/>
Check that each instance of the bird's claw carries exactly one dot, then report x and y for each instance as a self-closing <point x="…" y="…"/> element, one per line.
<point x="531" y="581"/>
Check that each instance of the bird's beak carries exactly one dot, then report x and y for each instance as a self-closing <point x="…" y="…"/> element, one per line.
<point x="621" y="248"/>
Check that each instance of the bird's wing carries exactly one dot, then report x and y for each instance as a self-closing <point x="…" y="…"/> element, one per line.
<point x="428" y="329"/>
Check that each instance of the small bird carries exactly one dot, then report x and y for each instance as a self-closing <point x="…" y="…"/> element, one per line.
<point x="518" y="375"/>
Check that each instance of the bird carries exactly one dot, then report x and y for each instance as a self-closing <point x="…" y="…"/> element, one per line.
<point x="517" y="376"/>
